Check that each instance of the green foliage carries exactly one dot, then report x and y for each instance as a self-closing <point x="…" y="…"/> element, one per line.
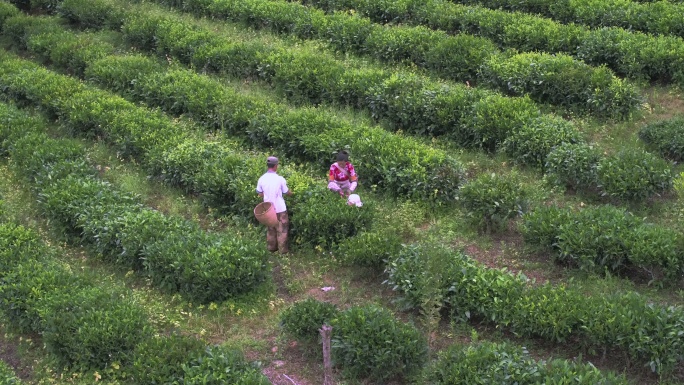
<point x="482" y="363"/>
<point x="369" y="248"/>
<point x="159" y="360"/>
<point x="203" y="266"/>
<point x="574" y="165"/>
<point x="657" y="248"/>
<point x="220" y="365"/>
<point x="633" y="175"/>
<point x="562" y="80"/>
<point x="369" y="342"/>
<point x="533" y="142"/>
<point x="666" y="137"/>
<point x="92" y="13"/>
<point x="494" y="117"/>
<point x="29" y="284"/>
<point x="303" y="319"/>
<point x="17" y="244"/>
<point x="7" y="376"/>
<point x="541" y="226"/>
<point x="93" y="328"/>
<point x="7" y="10"/>
<point x="504" y="363"/>
<point x="491" y="200"/>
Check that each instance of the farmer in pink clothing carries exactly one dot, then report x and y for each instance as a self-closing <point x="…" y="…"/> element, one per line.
<point x="342" y="178"/>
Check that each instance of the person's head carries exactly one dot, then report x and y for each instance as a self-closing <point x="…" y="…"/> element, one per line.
<point x="272" y="163"/>
<point x="342" y="157"/>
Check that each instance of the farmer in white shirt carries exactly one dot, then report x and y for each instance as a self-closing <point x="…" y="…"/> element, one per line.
<point x="272" y="186"/>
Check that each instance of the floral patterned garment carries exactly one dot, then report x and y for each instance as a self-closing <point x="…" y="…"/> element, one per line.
<point x="338" y="175"/>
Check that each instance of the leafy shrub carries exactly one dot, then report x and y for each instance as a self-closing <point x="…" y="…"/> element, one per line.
<point x="17" y="244"/>
<point x="595" y="238"/>
<point x="460" y="57"/>
<point x="541" y="226"/>
<point x="93" y="328"/>
<point x="7" y="376"/>
<point x="159" y="360"/>
<point x="491" y="200"/>
<point x="482" y="363"/>
<point x="7" y="10"/>
<point x="656" y="247"/>
<point x="219" y="365"/>
<point x="504" y="363"/>
<point x="633" y="175"/>
<point x="27" y="286"/>
<point x="494" y="117"/>
<point x="203" y="266"/>
<point x="562" y="80"/>
<point x="666" y="137"/>
<point x="533" y="142"/>
<point x="574" y="165"/>
<point x="92" y="13"/>
<point x="369" y="248"/>
<point x="369" y="342"/>
<point x="304" y="318"/>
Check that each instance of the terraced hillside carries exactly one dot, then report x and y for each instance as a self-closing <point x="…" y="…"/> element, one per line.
<point x="523" y="198"/>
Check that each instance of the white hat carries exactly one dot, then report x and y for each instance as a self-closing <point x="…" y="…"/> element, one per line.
<point x="355" y="200"/>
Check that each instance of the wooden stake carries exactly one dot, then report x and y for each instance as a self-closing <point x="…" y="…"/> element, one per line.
<point x="326" y="332"/>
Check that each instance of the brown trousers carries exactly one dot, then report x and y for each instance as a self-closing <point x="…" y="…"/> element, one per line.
<point x="276" y="237"/>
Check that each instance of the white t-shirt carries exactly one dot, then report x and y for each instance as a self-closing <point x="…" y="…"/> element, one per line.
<point x="273" y="186"/>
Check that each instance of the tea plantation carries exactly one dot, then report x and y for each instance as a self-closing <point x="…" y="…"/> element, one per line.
<point x="519" y="167"/>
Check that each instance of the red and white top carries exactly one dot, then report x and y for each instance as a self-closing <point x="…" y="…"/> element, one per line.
<point x="338" y="175"/>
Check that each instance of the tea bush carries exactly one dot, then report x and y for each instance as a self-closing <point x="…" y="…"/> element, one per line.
<point x="594" y="238"/>
<point x="177" y="255"/>
<point x="574" y="166"/>
<point x="491" y="200"/>
<point x="93" y="328"/>
<point x="369" y="342"/>
<point x="605" y="237"/>
<point x="666" y="137"/>
<point x="24" y="246"/>
<point x="303" y="319"/>
<point x="541" y="226"/>
<point x="633" y="175"/>
<point x="27" y="285"/>
<point x="562" y="80"/>
<point x="534" y="141"/>
<point x="220" y="365"/>
<point x="7" y="376"/>
<point x="369" y="248"/>
<point x="504" y="363"/>
<point x="159" y="360"/>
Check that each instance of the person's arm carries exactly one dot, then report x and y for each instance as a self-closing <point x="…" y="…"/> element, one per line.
<point x="352" y="177"/>
<point x="285" y="189"/>
<point x="331" y="175"/>
<point x="259" y="191"/>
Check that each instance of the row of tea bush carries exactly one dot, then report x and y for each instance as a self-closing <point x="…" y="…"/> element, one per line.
<point x="89" y="328"/>
<point x="218" y="170"/>
<point x="398" y="165"/>
<point x="657" y="17"/>
<point x="173" y="253"/>
<point x="648" y="333"/>
<point x="627" y="175"/>
<point x="633" y="54"/>
<point x="369" y="342"/>
<point x="552" y="79"/>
